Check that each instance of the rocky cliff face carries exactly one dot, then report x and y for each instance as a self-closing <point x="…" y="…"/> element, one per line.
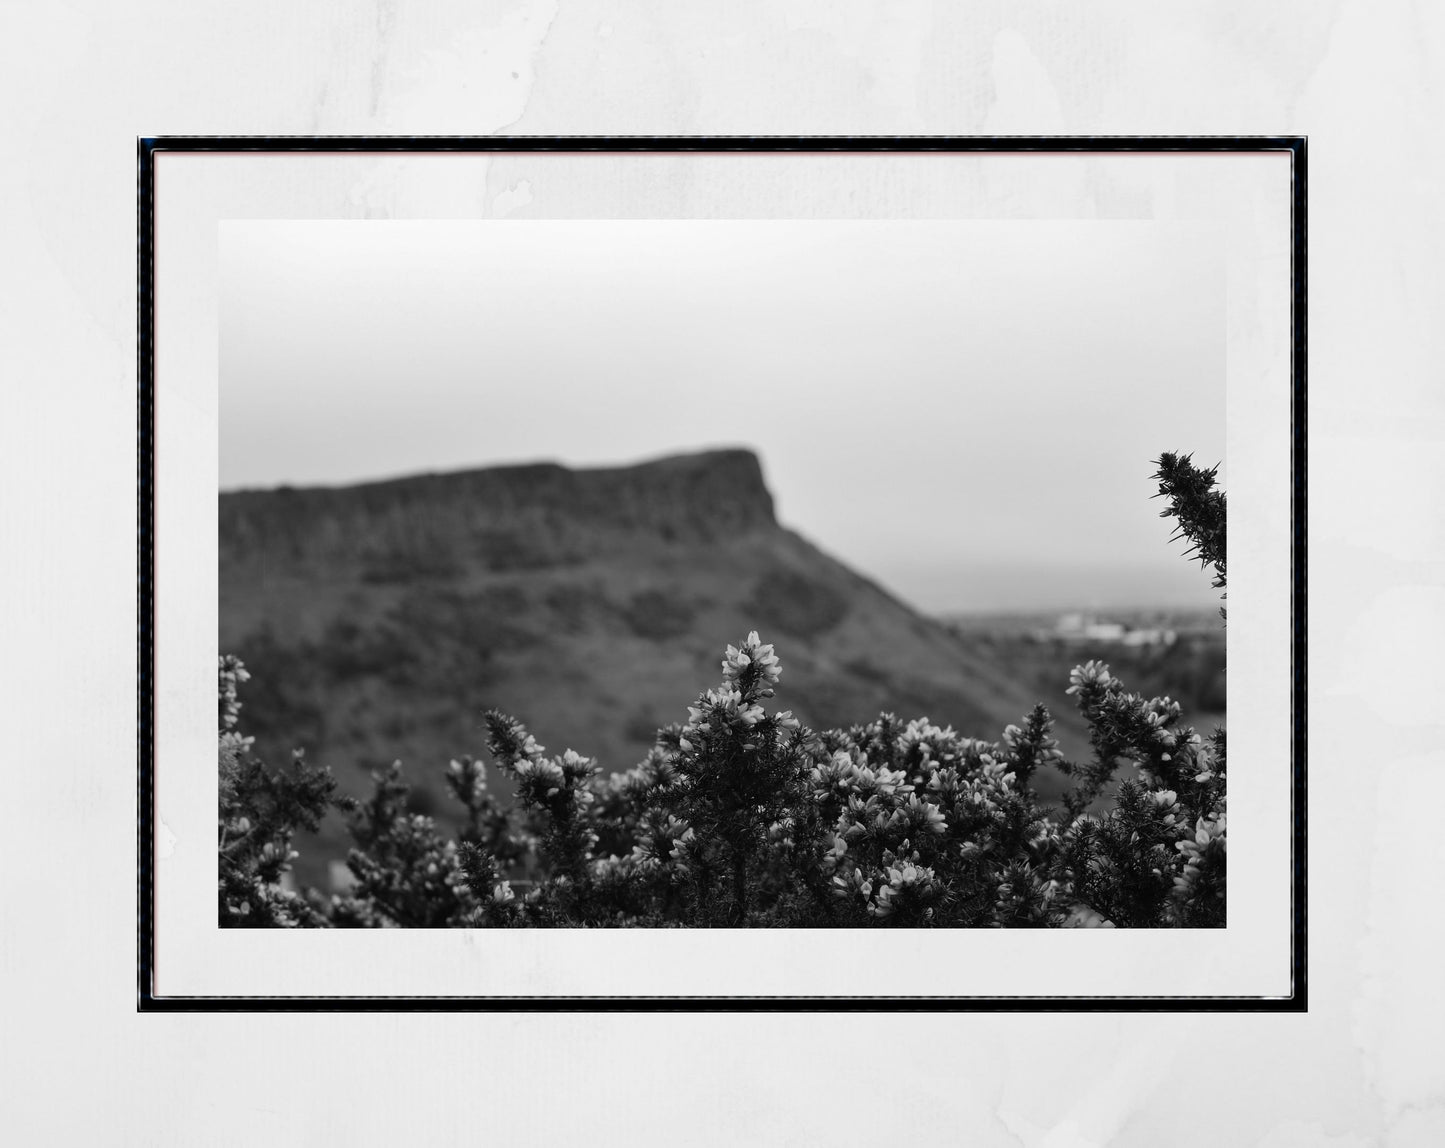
<point x="380" y="621"/>
<point x="511" y="517"/>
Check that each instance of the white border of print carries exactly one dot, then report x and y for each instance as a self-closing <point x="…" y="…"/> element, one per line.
<point x="1245" y="195"/>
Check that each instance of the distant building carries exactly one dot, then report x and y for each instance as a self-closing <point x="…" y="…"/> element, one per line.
<point x="1153" y="637"/>
<point x="1071" y="626"/>
<point x="1080" y="628"/>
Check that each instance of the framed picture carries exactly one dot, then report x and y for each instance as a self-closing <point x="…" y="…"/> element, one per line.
<point x="777" y="573"/>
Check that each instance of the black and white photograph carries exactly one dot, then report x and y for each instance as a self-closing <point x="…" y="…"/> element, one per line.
<point x="627" y="570"/>
<point x="774" y="574"/>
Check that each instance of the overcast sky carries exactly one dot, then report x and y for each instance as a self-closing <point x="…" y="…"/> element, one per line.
<point x="965" y="411"/>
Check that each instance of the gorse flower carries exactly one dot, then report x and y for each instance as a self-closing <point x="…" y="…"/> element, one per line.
<point x="232" y="673"/>
<point x="1207" y="832"/>
<point x="1090" y="674"/>
<point x="754" y="666"/>
<point x="467" y="778"/>
<point x="908" y="887"/>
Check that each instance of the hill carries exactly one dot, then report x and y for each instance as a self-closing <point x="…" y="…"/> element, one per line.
<point x="381" y="620"/>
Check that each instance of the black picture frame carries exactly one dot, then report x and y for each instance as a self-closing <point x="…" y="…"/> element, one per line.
<point x="148" y="148"/>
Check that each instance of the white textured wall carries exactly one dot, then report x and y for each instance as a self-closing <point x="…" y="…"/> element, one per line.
<point x="79" y="81"/>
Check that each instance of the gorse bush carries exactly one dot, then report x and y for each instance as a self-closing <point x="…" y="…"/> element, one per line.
<point x="260" y="812"/>
<point x="742" y="816"/>
<point x="1198" y="507"/>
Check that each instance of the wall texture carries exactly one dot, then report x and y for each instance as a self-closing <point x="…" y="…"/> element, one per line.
<point x="79" y="81"/>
